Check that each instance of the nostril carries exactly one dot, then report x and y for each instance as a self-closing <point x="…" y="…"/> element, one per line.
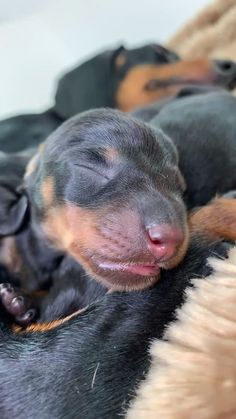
<point x="226" y="66"/>
<point x="164" y="240"/>
<point x="156" y="236"/>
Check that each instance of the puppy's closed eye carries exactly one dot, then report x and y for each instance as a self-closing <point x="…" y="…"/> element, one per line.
<point x="93" y="171"/>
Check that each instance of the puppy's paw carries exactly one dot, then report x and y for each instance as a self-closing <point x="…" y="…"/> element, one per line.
<point x="17" y="305"/>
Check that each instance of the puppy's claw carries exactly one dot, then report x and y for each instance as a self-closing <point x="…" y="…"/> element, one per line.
<point x="16" y="304"/>
<point x="27" y="317"/>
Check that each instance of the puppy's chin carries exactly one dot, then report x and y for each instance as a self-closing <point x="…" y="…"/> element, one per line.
<point x="125" y="281"/>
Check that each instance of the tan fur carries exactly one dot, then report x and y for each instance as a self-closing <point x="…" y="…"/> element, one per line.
<point x="120" y="60"/>
<point x="132" y="92"/>
<point x="64" y="225"/>
<point x="9" y="255"/>
<point x="47" y="190"/>
<point x="217" y="220"/>
<point x="45" y="327"/>
<point x="33" y="163"/>
<point x="211" y="34"/>
<point x="193" y="373"/>
<point x="111" y="154"/>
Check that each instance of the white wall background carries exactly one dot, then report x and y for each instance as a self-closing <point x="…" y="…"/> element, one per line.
<point x="40" y="39"/>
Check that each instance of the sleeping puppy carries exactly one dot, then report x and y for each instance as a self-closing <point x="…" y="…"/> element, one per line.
<point x="119" y="78"/>
<point x="89" y="365"/>
<point x="105" y="196"/>
<point x="102" y="181"/>
<point x="128" y="78"/>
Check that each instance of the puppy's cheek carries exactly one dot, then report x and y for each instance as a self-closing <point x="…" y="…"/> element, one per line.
<point x="70" y="228"/>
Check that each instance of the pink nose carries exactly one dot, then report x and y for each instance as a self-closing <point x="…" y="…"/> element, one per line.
<point x="164" y="240"/>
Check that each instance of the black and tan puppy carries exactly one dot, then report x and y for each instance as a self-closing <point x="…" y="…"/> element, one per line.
<point x="105" y="192"/>
<point x="120" y="78"/>
<point x="128" y="78"/>
<point x="106" y="189"/>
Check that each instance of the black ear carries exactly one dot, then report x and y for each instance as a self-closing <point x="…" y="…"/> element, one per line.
<point x="86" y="87"/>
<point x="13" y="210"/>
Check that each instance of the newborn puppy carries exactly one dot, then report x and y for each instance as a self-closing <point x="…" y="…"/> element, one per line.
<point x="106" y="190"/>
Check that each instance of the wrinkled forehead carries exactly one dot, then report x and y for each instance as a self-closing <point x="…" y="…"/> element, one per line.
<point x="124" y="147"/>
<point x="110" y="134"/>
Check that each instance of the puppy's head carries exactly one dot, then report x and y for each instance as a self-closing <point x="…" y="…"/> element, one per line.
<point x="129" y="78"/>
<point x="147" y="83"/>
<point x="95" y="82"/>
<point x="106" y="189"/>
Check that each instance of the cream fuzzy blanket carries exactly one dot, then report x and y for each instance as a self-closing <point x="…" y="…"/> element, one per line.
<point x="212" y="33"/>
<point x="193" y="374"/>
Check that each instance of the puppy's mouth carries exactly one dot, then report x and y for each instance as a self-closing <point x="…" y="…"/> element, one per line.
<point x="155" y="84"/>
<point x="131" y="268"/>
<point x="139" y="271"/>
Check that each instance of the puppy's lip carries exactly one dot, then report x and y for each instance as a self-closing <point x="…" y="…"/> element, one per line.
<point x="136" y="269"/>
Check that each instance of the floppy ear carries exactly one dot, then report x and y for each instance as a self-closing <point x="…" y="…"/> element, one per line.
<point x="86" y="87"/>
<point x="13" y="209"/>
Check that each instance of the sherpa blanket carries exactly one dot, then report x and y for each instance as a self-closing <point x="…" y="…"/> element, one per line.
<point x="212" y="33"/>
<point x="193" y="373"/>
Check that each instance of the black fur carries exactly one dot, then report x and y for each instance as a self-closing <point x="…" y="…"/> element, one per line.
<point x="23" y="131"/>
<point x="203" y="129"/>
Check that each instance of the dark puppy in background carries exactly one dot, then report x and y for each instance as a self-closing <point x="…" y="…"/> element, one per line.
<point x="106" y="191"/>
<point x="128" y="78"/>
<point x="119" y="78"/>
